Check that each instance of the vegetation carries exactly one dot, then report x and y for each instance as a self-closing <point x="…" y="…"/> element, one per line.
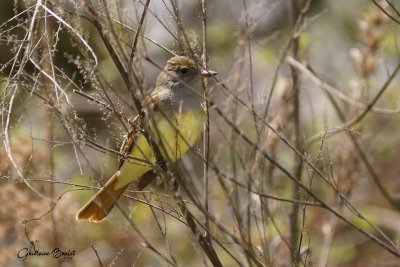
<point x="298" y="164"/>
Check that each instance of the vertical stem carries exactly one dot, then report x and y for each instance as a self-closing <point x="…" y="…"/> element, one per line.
<point x="50" y="131"/>
<point x="181" y="46"/>
<point x="294" y="217"/>
<point x="249" y="180"/>
<point x="47" y="44"/>
<point x="206" y="133"/>
<point x="135" y="40"/>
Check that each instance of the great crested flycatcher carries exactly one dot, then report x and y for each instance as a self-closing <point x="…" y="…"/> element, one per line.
<point x="176" y="119"/>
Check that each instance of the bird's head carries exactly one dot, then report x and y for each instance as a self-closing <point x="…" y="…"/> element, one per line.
<point x="182" y="70"/>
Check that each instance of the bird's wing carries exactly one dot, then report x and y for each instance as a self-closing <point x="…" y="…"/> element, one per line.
<point x="151" y="104"/>
<point x="129" y="141"/>
<point x="127" y="144"/>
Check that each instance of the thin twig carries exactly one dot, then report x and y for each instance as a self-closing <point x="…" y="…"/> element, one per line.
<point x="135" y="40"/>
<point x="390" y="248"/>
<point x="97" y="255"/>
<point x="308" y="72"/>
<point x="206" y="126"/>
<point x="295" y="236"/>
<point x="161" y="167"/>
<point x="384" y="11"/>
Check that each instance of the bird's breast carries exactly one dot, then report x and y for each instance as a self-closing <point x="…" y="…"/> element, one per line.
<point x="176" y="132"/>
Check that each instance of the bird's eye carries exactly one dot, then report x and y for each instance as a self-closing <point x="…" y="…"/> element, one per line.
<point x="183" y="70"/>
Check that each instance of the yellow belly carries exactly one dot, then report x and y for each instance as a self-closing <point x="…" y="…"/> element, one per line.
<point x="173" y="137"/>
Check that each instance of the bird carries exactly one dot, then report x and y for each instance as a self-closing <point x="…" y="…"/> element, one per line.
<point x="175" y="117"/>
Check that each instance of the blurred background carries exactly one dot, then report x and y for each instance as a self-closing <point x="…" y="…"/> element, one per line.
<point x="322" y="74"/>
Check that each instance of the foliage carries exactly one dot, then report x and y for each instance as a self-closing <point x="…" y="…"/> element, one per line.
<point x="298" y="164"/>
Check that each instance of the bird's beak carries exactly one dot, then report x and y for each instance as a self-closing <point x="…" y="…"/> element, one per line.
<point x="208" y="73"/>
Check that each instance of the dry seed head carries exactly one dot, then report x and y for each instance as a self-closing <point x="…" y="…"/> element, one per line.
<point x="377" y="16"/>
<point x="371" y="27"/>
<point x="241" y="43"/>
<point x="283" y="90"/>
<point x="356" y="55"/>
<point x="272" y="141"/>
<point x="374" y="39"/>
<point x="369" y="64"/>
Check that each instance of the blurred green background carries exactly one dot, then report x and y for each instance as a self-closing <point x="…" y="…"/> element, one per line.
<point x="350" y="45"/>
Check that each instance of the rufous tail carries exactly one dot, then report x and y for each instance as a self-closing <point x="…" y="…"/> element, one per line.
<point x="101" y="204"/>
